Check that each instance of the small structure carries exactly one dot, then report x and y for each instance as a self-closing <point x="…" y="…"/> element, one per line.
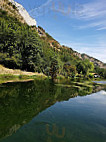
<point x="95" y="75"/>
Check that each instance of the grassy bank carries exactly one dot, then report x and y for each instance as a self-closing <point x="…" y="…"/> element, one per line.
<point x="10" y="75"/>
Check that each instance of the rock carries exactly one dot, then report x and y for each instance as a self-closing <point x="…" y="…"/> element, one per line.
<point x="28" y="19"/>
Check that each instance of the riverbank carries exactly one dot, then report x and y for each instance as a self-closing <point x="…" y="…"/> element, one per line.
<point x="6" y="78"/>
<point x="11" y="75"/>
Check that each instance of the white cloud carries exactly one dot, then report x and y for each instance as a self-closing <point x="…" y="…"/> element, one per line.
<point x="92" y="10"/>
<point x="102" y="28"/>
<point x="50" y="5"/>
<point x="100" y="25"/>
<point x="94" y="13"/>
<point x="41" y="10"/>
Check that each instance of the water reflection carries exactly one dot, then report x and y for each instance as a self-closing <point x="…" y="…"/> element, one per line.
<point x="101" y="82"/>
<point x="40" y="111"/>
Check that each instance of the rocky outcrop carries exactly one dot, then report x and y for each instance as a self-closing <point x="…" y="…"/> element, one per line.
<point x="77" y="54"/>
<point x="91" y="59"/>
<point x="94" y="60"/>
<point x="16" y="10"/>
<point x="41" y="32"/>
<point x="28" y="19"/>
<point x="11" y="9"/>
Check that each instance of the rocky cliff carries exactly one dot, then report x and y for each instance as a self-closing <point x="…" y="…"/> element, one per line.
<point x="16" y="10"/>
<point x="28" y="19"/>
<point x="94" y="60"/>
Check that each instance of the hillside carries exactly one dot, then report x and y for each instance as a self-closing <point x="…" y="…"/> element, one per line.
<point x="91" y="59"/>
<point x="30" y="48"/>
<point x="53" y="43"/>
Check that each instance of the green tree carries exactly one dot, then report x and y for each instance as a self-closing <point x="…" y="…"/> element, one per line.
<point x="70" y="70"/>
<point x="85" y="67"/>
<point x="54" y="68"/>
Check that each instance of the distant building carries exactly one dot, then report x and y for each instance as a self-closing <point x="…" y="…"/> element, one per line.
<point x="95" y="75"/>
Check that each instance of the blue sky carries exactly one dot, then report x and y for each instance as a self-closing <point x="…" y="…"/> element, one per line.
<point x="79" y="24"/>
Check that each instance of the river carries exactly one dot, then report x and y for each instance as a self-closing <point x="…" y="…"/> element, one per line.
<point x="39" y="111"/>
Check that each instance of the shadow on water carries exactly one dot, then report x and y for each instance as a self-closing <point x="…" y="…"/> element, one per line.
<point x="20" y="103"/>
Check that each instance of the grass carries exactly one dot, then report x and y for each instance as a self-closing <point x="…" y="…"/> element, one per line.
<point x="4" y="70"/>
<point x="10" y="75"/>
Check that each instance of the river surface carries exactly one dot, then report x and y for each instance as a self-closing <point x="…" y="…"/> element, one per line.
<point x="102" y="82"/>
<point x="40" y="111"/>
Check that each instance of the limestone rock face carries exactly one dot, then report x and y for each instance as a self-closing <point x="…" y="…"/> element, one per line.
<point x="91" y="59"/>
<point x="95" y="61"/>
<point x="28" y="19"/>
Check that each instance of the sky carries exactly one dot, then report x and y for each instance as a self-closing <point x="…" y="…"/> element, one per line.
<point x="79" y="24"/>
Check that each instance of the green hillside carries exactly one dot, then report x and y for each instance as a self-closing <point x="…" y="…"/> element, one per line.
<point x="21" y="47"/>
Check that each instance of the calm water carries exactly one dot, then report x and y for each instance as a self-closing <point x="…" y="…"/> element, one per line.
<point x="40" y="111"/>
<point x="102" y="82"/>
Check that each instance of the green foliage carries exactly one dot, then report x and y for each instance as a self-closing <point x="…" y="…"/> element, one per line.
<point x="85" y="67"/>
<point x="101" y="72"/>
<point x="21" y="47"/>
<point x="54" y="68"/>
<point x="70" y="70"/>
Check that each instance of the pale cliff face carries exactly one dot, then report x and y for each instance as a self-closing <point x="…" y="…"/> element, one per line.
<point x="28" y="19"/>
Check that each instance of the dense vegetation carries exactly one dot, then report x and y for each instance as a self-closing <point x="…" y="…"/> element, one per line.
<point x="22" y="48"/>
<point x="101" y="72"/>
